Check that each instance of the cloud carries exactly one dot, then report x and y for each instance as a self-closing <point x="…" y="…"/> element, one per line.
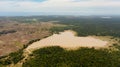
<point x="85" y="6"/>
<point x="26" y="0"/>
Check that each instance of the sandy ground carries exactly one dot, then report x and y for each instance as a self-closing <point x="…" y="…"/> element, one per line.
<point x="68" y="40"/>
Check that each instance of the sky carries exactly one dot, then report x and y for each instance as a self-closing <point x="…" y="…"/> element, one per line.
<point x="59" y="7"/>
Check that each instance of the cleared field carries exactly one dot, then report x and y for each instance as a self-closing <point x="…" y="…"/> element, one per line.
<point x="14" y="35"/>
<point x="68" y="40"/>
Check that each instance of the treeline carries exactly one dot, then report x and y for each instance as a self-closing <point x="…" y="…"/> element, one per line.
<point x="83" y="57"/>
<point x="7" y="32"/>
<point x="30" y="42"/>
<point x="85" y="29"/>
<point x="93" y="25"/>
<point x="12" y="58"/>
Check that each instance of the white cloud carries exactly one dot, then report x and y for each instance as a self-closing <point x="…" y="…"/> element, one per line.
<point x="58" y="5"/>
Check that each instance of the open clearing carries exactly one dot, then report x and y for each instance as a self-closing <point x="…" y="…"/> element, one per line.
<point x="68" y="40"/>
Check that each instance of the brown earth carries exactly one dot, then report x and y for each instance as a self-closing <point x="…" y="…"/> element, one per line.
<point x="68" y="40"/>
<point x="24" y="32"/>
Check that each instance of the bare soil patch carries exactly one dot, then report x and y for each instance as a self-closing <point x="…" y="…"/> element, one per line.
<point x="68" y="40"/>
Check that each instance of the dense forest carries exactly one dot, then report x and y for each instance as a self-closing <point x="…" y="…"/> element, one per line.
<point x="83" y="57"/>
<point x="86" y="26"/>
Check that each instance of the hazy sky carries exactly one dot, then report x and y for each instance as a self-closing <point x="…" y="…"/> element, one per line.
<point x="60" y="7"/>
